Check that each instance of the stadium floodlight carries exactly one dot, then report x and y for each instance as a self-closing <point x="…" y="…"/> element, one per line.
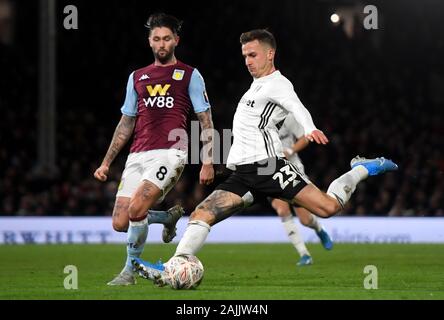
<point x="335" y="18"/>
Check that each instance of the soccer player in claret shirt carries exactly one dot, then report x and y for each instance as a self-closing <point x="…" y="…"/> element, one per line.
<point x="257" y="158"/>
<point x="158" y="100"/>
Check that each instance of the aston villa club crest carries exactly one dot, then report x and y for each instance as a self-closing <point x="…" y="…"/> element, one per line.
<point x="178" y="74"/>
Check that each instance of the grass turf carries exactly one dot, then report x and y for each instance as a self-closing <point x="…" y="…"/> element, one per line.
<point x="232" y="271"/>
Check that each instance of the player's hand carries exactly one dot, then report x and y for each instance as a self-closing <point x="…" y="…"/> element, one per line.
<point x="101" y="173"/>
<point x="206" y="176"/>
<point x="317" y="136"/>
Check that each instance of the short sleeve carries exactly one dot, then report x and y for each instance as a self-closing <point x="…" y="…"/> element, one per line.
<point x="129" y="107"/>
<point x="198" y="93"/>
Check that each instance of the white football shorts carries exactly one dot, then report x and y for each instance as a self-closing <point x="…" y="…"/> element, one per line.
<point x="162" y="167"/>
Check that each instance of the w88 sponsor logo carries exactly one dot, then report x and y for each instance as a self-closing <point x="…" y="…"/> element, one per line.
<point x="160" y="102"/>
<point x="159" y="96"/>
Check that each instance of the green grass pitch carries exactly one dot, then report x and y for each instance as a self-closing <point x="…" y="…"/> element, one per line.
<point x="232" y="271"/>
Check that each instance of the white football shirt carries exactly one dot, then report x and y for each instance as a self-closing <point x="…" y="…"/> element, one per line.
<point x="259" y="114"/>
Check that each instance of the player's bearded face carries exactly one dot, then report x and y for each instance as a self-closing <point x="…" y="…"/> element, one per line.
<point x="163" y="43"/>
<point x="258" y="59"/>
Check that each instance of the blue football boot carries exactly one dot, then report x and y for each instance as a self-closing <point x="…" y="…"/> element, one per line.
<point x="148" y="270"/>
<point x="305" y="260"/>
<point x="325" y="239"/>
<point x="374" y="166"/>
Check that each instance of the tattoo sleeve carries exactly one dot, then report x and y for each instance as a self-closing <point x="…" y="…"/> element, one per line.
<point x="122" y="134"/>
<point x="222" y="204"/>
<point x="207" y="135"/>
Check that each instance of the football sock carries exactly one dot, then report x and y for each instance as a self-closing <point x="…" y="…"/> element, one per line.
<point x="343" y="187"/>
<point x="137" y="233"/>
<point x="193" y="239"/>
<point x="294" y="236"/>
<point x="314" y="223"/>
<point x="162" y="217"/>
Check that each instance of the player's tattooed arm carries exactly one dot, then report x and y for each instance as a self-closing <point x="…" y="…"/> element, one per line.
<point x="207" y="136"/>
<point x="220" y="205"/>
<point x="122" y="134"/>
<point x="206" y="175"/>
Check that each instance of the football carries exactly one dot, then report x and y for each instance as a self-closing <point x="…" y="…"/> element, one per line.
<point x="184" y="272"/>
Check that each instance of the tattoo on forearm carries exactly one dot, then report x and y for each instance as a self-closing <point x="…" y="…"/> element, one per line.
<point x="206" y="124"/>
<point x="122" y="134"/>
<point x="222" y="204"/>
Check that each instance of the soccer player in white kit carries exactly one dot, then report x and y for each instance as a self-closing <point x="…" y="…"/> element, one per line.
<point x="257" y="158"/>
<point x="293" y="141"/>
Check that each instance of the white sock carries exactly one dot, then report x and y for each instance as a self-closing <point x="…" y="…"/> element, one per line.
<point x="294" y="236"/>
<point x="314" y="223"/>
<point x="193" y="239"/>
<point x="344" y="186"/>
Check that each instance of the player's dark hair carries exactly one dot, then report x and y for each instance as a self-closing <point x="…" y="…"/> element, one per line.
<point x="262" y="35"/>
<point x="158" y="20"/>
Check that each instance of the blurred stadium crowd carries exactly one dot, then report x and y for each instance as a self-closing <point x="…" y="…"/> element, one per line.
<point x="373" y="93"/>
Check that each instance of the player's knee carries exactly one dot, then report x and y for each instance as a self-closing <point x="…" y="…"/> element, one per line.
<point x="282" y="209"/>
<point x="283" y="212"/>
<point x="203" y="215"/>
<point x="120" y="226"/>
<point x="330" y="208"/>
<point x="135" y="209"/>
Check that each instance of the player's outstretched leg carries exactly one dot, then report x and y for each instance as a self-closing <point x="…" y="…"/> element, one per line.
<point x="343" y="187"/>
<point x="340" y="190"/>
<point x="218" y="206"/>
